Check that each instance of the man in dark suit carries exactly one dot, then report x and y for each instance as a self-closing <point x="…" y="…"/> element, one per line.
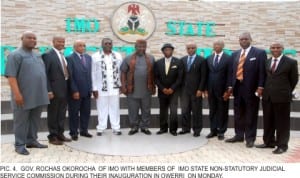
<point x="79" y="65"/>
<point x="57" y="75"/>
<point x="193" y="86"/>
<point x="219" y="79"/>
<point x="168" y="76"/>
<point x="282" y="77"/>
<point x="248" y="78"/>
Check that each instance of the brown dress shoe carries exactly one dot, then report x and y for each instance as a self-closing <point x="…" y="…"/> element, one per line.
<point x="63" y="138"/>
<point x="55" y="141"/>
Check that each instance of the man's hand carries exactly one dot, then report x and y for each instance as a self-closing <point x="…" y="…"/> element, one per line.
<point x="124" y="90"/>
<point x="19" y="100"/>
<point x="165" y="91"/>
<point x="227" y="94"/>
<point x="259" y="92"/>
<point x="95" y="94"/>
<point x="50" y="95"/>
<point x="76" y="96"/>
<point x="171" y="91"/>
<point x="199" y="93"/>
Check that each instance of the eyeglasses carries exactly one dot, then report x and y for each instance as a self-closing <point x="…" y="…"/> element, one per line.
<point x="277" y="47"/>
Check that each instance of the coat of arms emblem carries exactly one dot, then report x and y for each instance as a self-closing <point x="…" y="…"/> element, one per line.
<point x="133" y="21"/>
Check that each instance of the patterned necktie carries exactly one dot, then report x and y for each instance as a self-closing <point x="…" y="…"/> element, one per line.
<point x="189" y="63"/>
<point x="64" y="65"/>
<point x="167" y="65"/>
<point x="240" y="68"/>
<point x="82" y="59"/>
<point x="216" y="60"/>
<point x="273" y="68"/>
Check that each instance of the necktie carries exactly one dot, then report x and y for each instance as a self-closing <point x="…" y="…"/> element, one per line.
<point x="216" y="60"/>
<point x="167" y="65"/>
<point x="273" y="68"/>
<point x="82" y="59"/>
<point x="64" y="65"/>
<point x="240" y="68"/>
<point x="189" y="63"/>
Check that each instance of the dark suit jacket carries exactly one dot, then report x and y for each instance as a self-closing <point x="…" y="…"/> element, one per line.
<point x="219" y="77"/>
<point x="195" y="78"/>
<point x="172" y="80"/>
<point x="280" y="85"/>
<point x="80" y="75"/>
<point x="254" y="70"/>
<point x="56" y="82"/>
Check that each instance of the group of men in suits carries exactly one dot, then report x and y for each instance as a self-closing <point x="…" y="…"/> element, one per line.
<point x="247" y="75"/>
<point x="69" y="85"/>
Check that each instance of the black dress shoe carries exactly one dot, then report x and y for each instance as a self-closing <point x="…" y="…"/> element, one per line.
<point x="74" y="137"/>
<point x="22" y="151"/>
<point x="279" y="150"/>
<point x="86" y="134"/>
<point x="211" y="135"/>
<point x="63" y="138"/>
<point x="196" y="135"/>
<point x="161" y="132"/>
<point x="264" y="146"/>
<point x="174" y="133"/>
<point x="36" y="145"/>
<point x="249" y="144"/>
<point x="184" y="132"/>
<point x="221" y="137"/>
<point x="133" y="131"/>
<point x="146" y="131"/>
<point x="234" y="139"/>
<point x="55" y="141"/>
<point x="117" y="132"/>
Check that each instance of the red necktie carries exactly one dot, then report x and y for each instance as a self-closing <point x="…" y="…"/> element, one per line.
<point x="273" y="68"/>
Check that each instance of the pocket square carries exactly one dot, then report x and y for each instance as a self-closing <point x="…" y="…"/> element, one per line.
<point x="253" y="58"/>
<point x="173" y="67"/>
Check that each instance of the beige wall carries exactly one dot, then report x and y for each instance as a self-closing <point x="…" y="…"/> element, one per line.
<point x="267" y="21"/>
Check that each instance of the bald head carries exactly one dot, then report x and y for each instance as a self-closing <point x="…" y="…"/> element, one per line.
<point x="191" y="48"/>
<point x="218" y="46"/>
<point x="276" y="49"/>
<point x="79" y="46"/>
<point x="28" y="40"/>
<point x="140" y="46"/>
<point x="245" y="40"/>
<point x="58" y="42"/>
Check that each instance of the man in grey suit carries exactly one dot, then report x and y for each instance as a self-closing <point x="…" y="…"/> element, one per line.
<point x="282" y="77"/>
<point x="57" y="75"/>
<point x="26" y="75"/>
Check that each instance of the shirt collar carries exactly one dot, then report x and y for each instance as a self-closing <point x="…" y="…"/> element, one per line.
<point x="278" y="58"/>
<point x="220" y="54"/>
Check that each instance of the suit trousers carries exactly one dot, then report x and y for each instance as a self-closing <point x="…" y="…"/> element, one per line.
<point x="134" y="105"/>
<point x="56" y="116"/>
<point x="245" y="113"/>
<point x="191" y="108"/>
<point x="26" y="125"/>
<point x="79" y="112"/>
<point x="165" y="103"/>
<point x="276" y="119"/>
<point x="108" y="106"/>
<point x="218" y="113"/>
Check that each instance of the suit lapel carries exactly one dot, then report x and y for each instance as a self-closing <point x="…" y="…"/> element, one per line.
<point x="57" y="59"/>
<point x="280" y="64"/>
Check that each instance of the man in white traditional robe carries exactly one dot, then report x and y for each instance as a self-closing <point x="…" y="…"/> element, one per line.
<point x="106" y="84"/>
